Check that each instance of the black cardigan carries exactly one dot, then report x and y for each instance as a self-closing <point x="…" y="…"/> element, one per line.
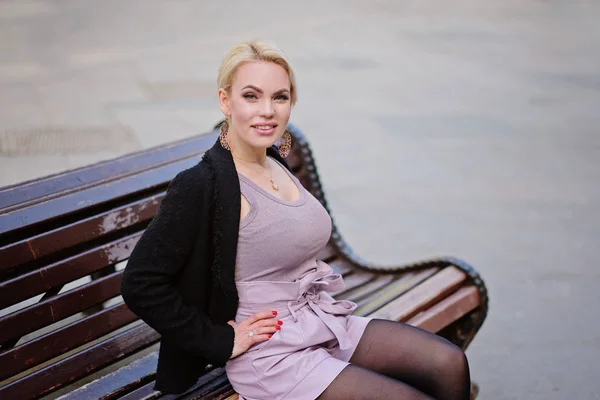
<point x="180" y="278"/>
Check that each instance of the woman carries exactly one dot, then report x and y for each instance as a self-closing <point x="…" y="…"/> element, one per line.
<point x="227" y="270"/>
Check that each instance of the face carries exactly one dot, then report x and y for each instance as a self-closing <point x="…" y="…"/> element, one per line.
<point x="259" y="105"/>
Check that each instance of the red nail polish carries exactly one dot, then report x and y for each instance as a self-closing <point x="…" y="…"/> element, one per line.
<point x="270" y="336"/>
<point x="274" y="312"/>
<point x="278" y="327"/>
<point x="280" y="322"/>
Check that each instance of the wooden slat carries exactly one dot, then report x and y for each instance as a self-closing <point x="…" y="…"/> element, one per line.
<point x="79" y="232"/>
<point x="95" y="195"/>
<point x="81" y="364"/>
<point x="39" y="281"/>
<point x="433" y="289"/>
<point x="228" y="394"/>
<point x="145" y="392"/>
<point x="105" y="171"/>
<point x="211" y="390"/>
<point x="450" y="309"/>
<point x="380" y="299"/>
<point x="359" y="294"/>
<point x="355" y="280"/>
<point x="61" y="306"/>
<point x="341" y="267"/>
<point x="65" y="339"/>
<point x="104" y="388"/>
<point x="135" y="376"/>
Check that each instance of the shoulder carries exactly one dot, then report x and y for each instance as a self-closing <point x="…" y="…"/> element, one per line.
<point x="191" y="183"/>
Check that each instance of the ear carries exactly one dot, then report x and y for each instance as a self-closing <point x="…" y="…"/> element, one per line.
<point x="224" y="102"/>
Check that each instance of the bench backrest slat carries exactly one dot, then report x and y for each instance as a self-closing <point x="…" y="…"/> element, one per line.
<point x="105" y="171"/>
<point x="85" y="230"/>
<point x="58" y="307"/>
<point x="74" y="201"/>
<point x="38" y="281"/>
<point x="64" y="339"/>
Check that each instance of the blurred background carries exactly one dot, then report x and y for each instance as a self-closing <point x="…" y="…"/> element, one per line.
<point x="461" y="128"/>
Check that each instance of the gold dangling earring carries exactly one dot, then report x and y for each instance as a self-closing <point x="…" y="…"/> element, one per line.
<point x="223" y="136"/>
<point x="285" y="145"/>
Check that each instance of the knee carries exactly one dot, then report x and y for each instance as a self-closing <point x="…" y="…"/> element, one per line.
<point x="453" y="360"/>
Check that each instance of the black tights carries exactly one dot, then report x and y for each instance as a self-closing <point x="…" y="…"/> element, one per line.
<point x="397" y="361"/>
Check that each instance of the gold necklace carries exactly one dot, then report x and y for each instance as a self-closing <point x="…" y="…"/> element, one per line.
<point x="273" y="184"/>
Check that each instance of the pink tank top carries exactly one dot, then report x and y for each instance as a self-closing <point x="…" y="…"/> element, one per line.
<point x="279" y="240"/>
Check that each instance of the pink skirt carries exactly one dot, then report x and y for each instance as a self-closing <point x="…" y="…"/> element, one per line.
<point x="316" y="341"/>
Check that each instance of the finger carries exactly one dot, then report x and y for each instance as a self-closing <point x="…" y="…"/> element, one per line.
<point x="261" y="315"/>
<point x="232" y="323"/>
<point x="267" y="330"/>
<point x="267" y="322"/>
<point x="261" y="338"/>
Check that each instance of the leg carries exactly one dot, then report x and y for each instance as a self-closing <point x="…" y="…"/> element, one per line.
<point x="355" y="383"/>
<point x="421" y="359"/>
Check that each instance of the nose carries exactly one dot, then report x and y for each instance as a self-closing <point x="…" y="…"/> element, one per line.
<point x="267" y="108"/>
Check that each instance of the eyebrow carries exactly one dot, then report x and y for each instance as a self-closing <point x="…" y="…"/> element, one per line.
<point x="280" y="91"/>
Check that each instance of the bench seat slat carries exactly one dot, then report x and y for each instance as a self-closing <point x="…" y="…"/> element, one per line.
<point x="434" y="288"/>
<point x="39" y="281"/>
<point x="61" y="306"/>
<point x="80" y="364"/>
<point x="79" y="232"/>
<point x="212" y="389"/>
<point x="366" y="290"/>
<point x="355" y="280"/>
<point x="380" y="298"/>
<point x="135" y="376"/>
<point x="227" y="394"/>
<point x="450" y="309"/>
<point x="145" y="392"/>
<point x="64" y="339"/>
<point x="341" y="267"/>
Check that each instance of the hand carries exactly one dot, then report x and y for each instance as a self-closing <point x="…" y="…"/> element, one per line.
<point x="254" y="329"/>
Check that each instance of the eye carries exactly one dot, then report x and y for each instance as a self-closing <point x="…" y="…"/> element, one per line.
<point x="283" y="97"/>
<point x="250" y="96"/>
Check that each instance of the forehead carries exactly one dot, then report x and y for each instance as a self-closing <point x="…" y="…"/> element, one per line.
<point x="264" y="75"/>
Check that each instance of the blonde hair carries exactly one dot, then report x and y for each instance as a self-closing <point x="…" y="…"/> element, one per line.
<point x="254" y="50"/>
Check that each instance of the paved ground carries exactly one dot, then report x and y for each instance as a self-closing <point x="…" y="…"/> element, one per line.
<point x="466" y="128"/>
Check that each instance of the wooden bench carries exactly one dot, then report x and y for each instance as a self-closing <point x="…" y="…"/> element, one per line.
<point x="64" y="240"/>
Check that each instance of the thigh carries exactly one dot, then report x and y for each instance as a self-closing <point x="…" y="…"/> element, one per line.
<point x="401" y="351"/>
<point x="355" y="383"/>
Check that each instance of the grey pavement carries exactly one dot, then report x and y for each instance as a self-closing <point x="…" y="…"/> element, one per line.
<point x="461" y="128"/>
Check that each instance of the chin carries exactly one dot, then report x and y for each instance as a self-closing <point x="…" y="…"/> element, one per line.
<point x="264" y="141"/>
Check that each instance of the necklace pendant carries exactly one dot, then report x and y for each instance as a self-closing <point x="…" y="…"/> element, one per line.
<point x="275" y="186"/>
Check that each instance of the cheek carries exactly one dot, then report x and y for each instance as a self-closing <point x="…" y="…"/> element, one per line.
<point x="284" y="110"/>
<point x="242" y="111"/>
